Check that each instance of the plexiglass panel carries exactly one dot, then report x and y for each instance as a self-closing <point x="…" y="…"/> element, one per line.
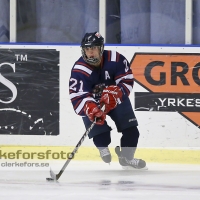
<point x="196" y="22"/>
<point x="4" y="20"/>
<point x="127" y="21"/>
<point x="56" y="20"/>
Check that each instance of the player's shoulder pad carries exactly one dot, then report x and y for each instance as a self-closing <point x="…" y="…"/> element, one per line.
<point x="82" y="67"/>
<point x="111" y="55"/>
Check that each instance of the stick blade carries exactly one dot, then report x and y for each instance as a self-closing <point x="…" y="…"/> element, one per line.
<point x="50" y="180"/>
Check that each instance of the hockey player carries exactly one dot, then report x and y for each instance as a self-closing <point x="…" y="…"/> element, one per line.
<point x="101" y="77"/>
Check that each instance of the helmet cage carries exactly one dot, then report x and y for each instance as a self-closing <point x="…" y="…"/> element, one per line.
<point x="92" y="61"/>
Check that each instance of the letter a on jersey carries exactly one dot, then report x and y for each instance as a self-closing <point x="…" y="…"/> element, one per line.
<point x="107" y="76"/>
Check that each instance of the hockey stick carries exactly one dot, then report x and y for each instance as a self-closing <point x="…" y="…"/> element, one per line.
<point x="55" y="177"/>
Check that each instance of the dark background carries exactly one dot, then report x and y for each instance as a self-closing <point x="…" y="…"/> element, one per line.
<point x="35" y="111"/>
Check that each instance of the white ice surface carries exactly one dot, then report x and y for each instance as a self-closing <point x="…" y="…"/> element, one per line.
<point x="96" y="180"/>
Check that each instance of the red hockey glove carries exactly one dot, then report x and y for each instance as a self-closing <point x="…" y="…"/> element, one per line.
<point x="111" y="96"/>
<point x="92" y="111"/>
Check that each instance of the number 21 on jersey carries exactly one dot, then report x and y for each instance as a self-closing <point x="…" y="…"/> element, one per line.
<point x="75" y="85"/>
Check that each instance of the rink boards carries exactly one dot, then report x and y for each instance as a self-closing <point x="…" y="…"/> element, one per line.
<point x="49" y="153"/>
<point x="37" y="113"/>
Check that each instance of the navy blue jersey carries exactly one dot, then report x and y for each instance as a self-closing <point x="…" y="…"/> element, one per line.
<point x="86" y="80"/>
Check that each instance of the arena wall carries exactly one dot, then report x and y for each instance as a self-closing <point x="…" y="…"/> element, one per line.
<point x="165" y="98"/>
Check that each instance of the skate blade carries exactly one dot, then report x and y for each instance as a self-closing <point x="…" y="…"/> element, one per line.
<point x="136" y="169"/>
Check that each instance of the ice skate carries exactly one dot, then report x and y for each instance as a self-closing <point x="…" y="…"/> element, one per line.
<point x="105" y="154"/>
<point x="130" y="164"/>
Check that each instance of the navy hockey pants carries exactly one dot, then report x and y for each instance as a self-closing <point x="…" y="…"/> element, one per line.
<point x="123" y="116"/>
